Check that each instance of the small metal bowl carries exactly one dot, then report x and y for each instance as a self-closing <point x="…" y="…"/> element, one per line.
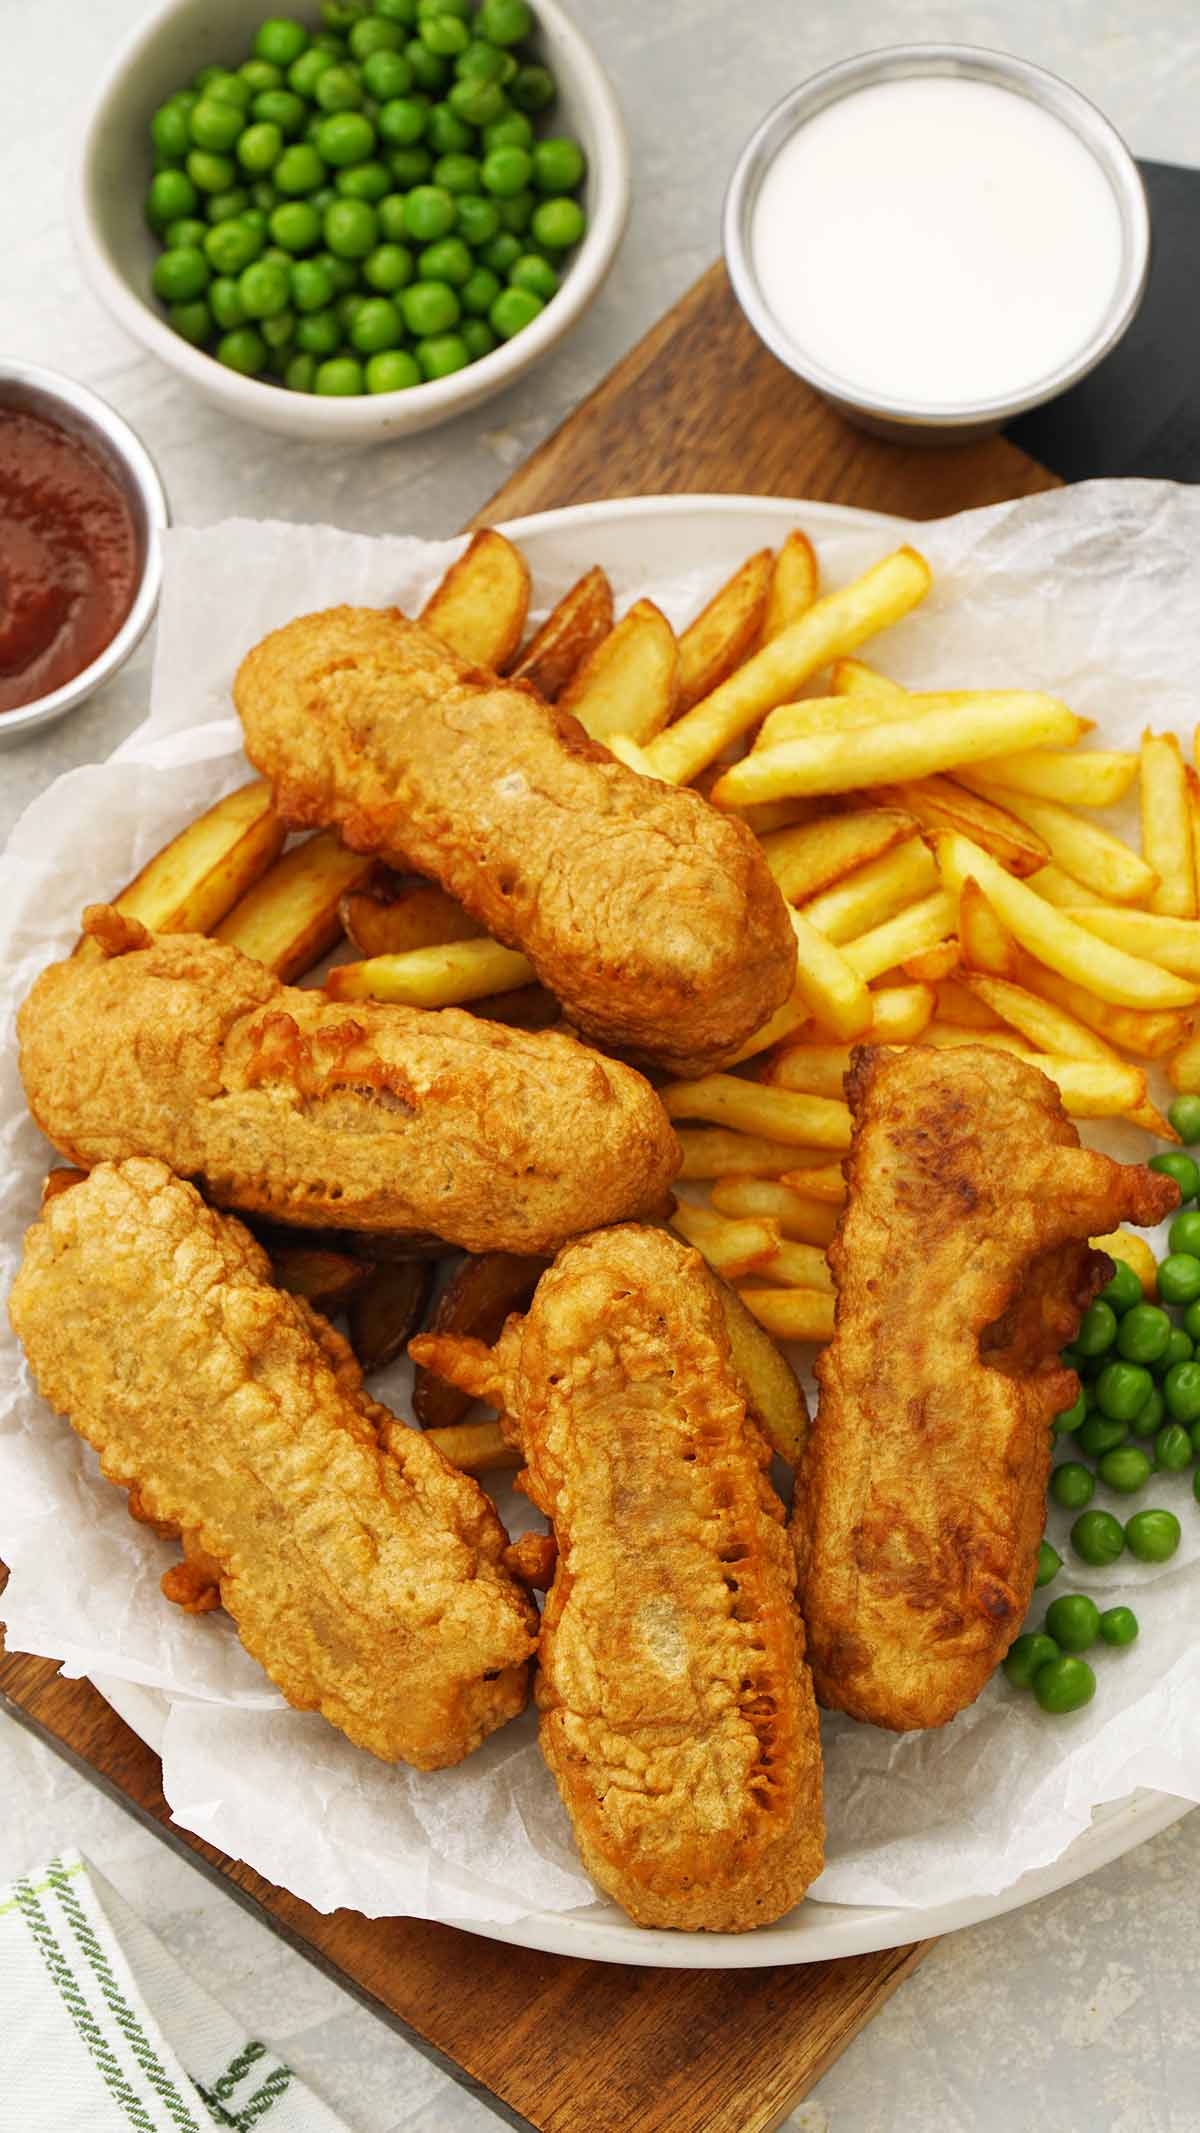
<point x="933" y="423"/>
<point x="82" y="414"/>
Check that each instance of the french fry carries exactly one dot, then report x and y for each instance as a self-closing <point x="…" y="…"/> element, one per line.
<point x="479" y="608"/>
<point x="951" y="1036"/>
<point x="326" y="1279"/>
<point x="932" y="964"/>
<point x="773" y="1398"/>
<point x="290" y="918"/>
<point x="853" y="677"/>
<point x="387" y="1311"/>
<point x="628" y="685"/>
<point x="569" y="634"/>
<point x="726" y="631"/>
<point x="960" y="729"/>
<point x="1083" y="777"/>
<point x="1167" y="827"/>
<point x="445" y="976"/>
<point x="1193" y="793"/>
<point x="1173" y="943"/>
<point x="909" y="933"/>
<point x="794" y="1015"/>
<point x="200" y="875"/>
<point x="1088" y="1088"/>
<point x="812" y="856"/>
<point x="632" y="755"/>
<point x="1052" y="1028"/>
<point x="832" y="714"/>
<point x="792" y="1314"/>
<point x="944" y="803"/>
<point x="1058" y="940"/>
<point x="833" y="990"/>
<point x="899" y="1013"/>
<point x="417" y="918"/>
<point x="717" y="1153"/>
<point x="1147" y="1032"/>
<point x="476" y="1447"/>
<point x="831" y="627"/>
<point x="1081" y="847"/>
<point x="806" y="1220"/>
<point x="874" y="892"/>
<point x="772" y="815"/>
<point x="955" y="1004"/>
<point x="794" y="584"/>
<point x="1183" y="1068"/>
<point x="1127" y="1245"/>
<point x="731" y="1247"/>
<point x="751" y="1107"/>
<point x="802" y="1266"/>
<point x="985" y="942"/>
<point x="819" y="1181"/>
<point x="1058" y="888"/>
<point x="818" y="1069"/>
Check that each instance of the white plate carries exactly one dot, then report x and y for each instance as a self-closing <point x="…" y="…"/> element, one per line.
<point x="712" y="533"/>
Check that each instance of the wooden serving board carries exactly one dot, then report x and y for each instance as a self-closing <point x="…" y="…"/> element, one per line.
<point x="562" y="2045"/>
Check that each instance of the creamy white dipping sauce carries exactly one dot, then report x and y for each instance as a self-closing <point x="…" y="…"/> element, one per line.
<point x="936" y="241"/>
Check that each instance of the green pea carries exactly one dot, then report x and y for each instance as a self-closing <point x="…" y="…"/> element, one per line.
<point x="1184" y="1170"/>
<point x="299" y="170"/>
<point x="402" y="122"/>
<point x="444" y="35"/>
<point x="181" y="275"/>
<point x="192" y="322"/>
<point x="1026" y="1654"/>
<point x="516" y="213"/>
<point x="342" y="272"/>
<point x="392" y="371"/>
<point x="483" y="61"/>
<point x="558" y="165"/>
<point x="1184" y="1238"/>
<point x="263" y="198"/>
<point x="1123" y="1289"/>
<point x="512" y="131"/>
<point x="244" y="349"/>
<point x="441" y="355"/>
<point x="365" y="181"/>
<point x="505" y="172"/>
<point x="1072" y="1485"/>
<point x="397" y="10"/>
<point x="1049" y="1563"/>
<point x="340" y="378"/>
<point x="429" y="213"/>
<point x="429" y="72"/>
<point x="375" y="38"/>
<point x="260" y="147"/>
<point x="410" y="166"/>
<point x="1181" y="1391"/>
<point x="429" y="308"/>
<point x="296" y="226"/>
<point x="513" y="310"/>
<point x="232" y="245"/>
<point x="225" y="303"/>
<point x="478" y="219"/>
<point x="479" y="292"/>
<point x="1099" y="1435"/>
<point x="279" y="332"/>
<point x="1153" y="1536"/>
<point x="377" y="326"/>
<point x="1097" y="1537"/>
<point x="215" y="126"/>
<point x="228" y="206"/>
<point x="187" y="230"/>
<point x="345" y="137"/>
<point x="305" y="72"/>
<point x="319" y="333"/>
<point x="1191" y="1322"/>
<point x="1122" y="1389"/>
<point x="532" y="88"/>
<point x="1184" y="1114"/>
<point x="171" y="195"/>
<point x="387" y="75"/>
<point x="259" y="74"/>
<point x="558" y="224"/>
<point x="535" y="274"/>
<point x="1179" y="1278"/>
<point x="388" y="268"/>
<point x="1118" y="1625"/>
<point x="342" y="14"/>
<point x="462" y="8"/>
<point x="477" y="103"/>
<point x="501" y="252"/>
<point x="1148" y="1419"/>
<point x="1065" y="1684"/>
<point x="390" y="211"/>
<point x="351" y="229"/>
<point x="282" y="108"/>
<point x="1073" y="1621"/>
<point x="447" y="260"/>
<point x="446" y="133"/>
<point x="280" y="39"/>
<point x="478" y="337"/>
<point x="265" y="288"/>
<point x="1143" y="1333"/>
<point x="347" y="308"/>
<point x="229" y="88"/>
<point x="204" y="77"/>
<point x="1125" y="1469"/>
<point x="459" y="174"/>
<point x="1173" y="1448"/>
<point x="1097" y="1329"/>
<point x="170" y="131"/>
<point x="300" y="374"/>
<point x="1070" y="1417"/>
<point x="504" y="21"/>
<point x="1194" y="1436"/>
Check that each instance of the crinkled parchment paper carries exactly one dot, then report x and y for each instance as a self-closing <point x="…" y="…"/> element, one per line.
<point x="1094" y="593"/>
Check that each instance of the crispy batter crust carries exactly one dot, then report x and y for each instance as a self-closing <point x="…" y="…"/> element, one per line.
<point x="962" y="1266"/>
<point x="652" y="917"/>
<point x="368" y="1582"/>
<point x="677" y="1710"/>
<point x="358" y="1117"/>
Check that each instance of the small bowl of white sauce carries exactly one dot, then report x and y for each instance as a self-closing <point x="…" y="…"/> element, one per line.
<point x="937" y="238"/>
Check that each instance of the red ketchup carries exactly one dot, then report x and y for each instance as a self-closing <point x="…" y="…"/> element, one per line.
<point x="68" y="557"/>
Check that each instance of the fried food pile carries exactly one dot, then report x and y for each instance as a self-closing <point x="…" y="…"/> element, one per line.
<point x="653" y="918"/>
<point x="963" y="1264"/>
<point x="367" y="1578"/>
<point x="279" y="1102"/>
<point x="677" y="1709"/>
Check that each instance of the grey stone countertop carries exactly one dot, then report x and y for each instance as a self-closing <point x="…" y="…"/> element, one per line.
<point x="1082" y="2012"/>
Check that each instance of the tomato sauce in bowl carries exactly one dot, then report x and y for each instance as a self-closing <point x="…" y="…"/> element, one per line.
<point x="69" y="557"/>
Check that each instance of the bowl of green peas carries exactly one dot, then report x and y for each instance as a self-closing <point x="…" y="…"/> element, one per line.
<point x="357" y="219"/>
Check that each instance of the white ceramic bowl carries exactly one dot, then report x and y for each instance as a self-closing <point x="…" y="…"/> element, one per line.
<point x="113" y="169"/>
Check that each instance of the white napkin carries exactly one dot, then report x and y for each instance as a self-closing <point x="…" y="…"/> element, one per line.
<point x="103" y="2031"/>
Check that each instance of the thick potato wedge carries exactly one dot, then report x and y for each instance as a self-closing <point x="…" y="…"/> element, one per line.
<point x="984" y="941"/>
<point x="200" y="875"/>
<point x="477" y="1299"/>
<point x="290" y="918"/>
<point x="953" y="1003"/>
<point x="773" y="1397"/>
<point x="569" y="635"/>
<point x="448" y="976"/>
<point x="423" y="917"/>
<point x="726" y="631"/>
<point x="387" y="1309"/>
<point x="1080" y="847"/>
<point x="1167" y="827"/>
<point x="792" y="1314"/>
<point x="628" y="685"/>
<point x="874" y="892"/>
<point x="831" y="627"/>
<point x="479" y="608"/>
<point x="751" y="1107"/>
<point x="732" y="1246"/>
<point x="812" y="856"/>
<point x="325" y="1278"/>
<point x="795" y="583"/>
<point x="1183" y="1068"/>
<point x="947" y="804"/>
<point x="476" y="1447"/>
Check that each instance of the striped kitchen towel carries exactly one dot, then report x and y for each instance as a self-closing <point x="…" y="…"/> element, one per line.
<point x="101" y="2029"/>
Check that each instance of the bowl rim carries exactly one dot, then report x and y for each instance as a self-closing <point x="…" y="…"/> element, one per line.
<point x="900" y="62"/>
<point x="100" y="416"/>
<point x="333" y="418"/>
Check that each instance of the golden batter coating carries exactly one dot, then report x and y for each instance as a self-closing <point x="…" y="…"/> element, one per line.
<point x="280" y="1102"/>
<point x="677" y="1711"/>
<point x="963" y="1265"/>
<point x="651" y="916"/>
<point x="367" y="1581"/>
